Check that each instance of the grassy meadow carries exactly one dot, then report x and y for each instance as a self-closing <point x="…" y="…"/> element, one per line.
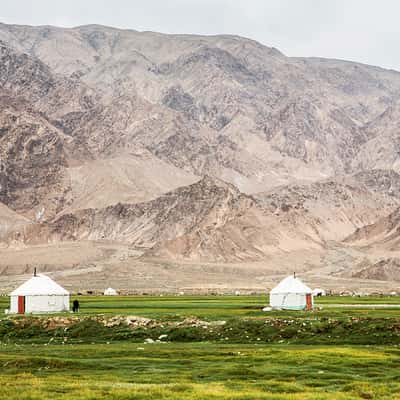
<point x="331" y="353"/>
<point x="217" y="307"/>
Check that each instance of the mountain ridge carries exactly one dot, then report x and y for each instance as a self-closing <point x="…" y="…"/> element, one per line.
<point x="193" y="148"/>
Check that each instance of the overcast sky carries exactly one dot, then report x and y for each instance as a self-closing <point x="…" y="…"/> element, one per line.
<point x="361" y="30"/>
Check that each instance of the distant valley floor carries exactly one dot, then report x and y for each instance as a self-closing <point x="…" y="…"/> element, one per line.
<point x="94" y="265"/>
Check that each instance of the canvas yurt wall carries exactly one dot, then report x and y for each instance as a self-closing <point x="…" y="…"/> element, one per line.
<point x="291" y="294"/>
<point x="40" y="294"/>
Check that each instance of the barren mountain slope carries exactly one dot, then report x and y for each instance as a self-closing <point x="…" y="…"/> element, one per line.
<point x="211" y="220"/>
<point x="44" y="168"/>
<point x="105" y="134"/>
<point x="382" y="151"/>
<point x="27" y="77"/>
<point x="335" y="208"/>
<point x="10" y="222"/>
<point x="387" y="269"/>
<point x="228" y="106"/>
<point x="32" y="160"/>
<point x="384" y="233"/>
<point x="131" y="178"/>
<point x="34" y="153"/>
<point x="208" y="220"/>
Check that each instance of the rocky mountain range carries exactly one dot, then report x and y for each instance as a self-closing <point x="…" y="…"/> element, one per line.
<point x="195" y="149"/>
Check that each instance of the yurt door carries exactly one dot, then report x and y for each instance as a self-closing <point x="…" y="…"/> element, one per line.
<point x="21" y="304"/>
<point x="308" y="301"/>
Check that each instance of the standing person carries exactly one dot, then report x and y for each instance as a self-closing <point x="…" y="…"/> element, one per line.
<point x="75" y="306"/>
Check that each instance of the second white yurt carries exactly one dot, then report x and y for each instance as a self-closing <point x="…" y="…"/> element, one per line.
<point x="39" y="294"/>
<point x="291" y="294"/>
<point x="110" y="292"/>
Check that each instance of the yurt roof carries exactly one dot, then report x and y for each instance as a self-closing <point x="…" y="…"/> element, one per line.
<point x="39" y="285"/>
<point x="291" y="284"/>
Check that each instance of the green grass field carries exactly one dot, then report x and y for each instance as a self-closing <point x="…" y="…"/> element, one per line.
<point x="217" y="307"/>
<point x="333" y="353"/>
<point x="198" y="371"/>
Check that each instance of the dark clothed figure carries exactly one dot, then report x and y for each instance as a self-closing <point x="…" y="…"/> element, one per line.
<point x="75" y="306"/>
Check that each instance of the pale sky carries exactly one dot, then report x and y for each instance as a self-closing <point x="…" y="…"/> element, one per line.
<point x="367" y="31"/>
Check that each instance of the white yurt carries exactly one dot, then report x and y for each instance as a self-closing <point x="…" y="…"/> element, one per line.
<point x="110" y="292"/>
<point x="291" y="294"/>
<point x="39" y="294"/>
